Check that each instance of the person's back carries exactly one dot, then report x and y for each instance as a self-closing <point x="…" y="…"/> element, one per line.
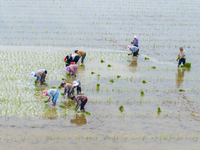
<point x="68" y="86"/>
<point x="51" y="92"/>
<point x="39" y="73"/>
<point x="133" y="48"/>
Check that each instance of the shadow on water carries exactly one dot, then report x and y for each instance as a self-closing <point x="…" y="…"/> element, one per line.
<point x="79" y="120"/>
<point x="180" y="76"/>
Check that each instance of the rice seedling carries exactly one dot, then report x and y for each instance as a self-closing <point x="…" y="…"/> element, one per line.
<point x="118" y="76"/>
<point x="92" y="73"/>
<point x="108" y="65"/>
<point x="154" y="67"/>
<point x="186" y="65"/>
<point x="159" y="110"/>
<point x="62" y="106"/>
<point x="68" y="74"/>
<point x="98" y="75"/>
<point x="121" y="108"/>
<point x="143" y="81"/>
<point x="132" y="43"/>
<point x="59" y="87"/>
<point x="62" y="94"/>
<point x="102" y="61"/>
<point x="53" y="87"/>
<point x="45" y="101"/>
<point x="146" y="58"/>
<point x="111" y="80"/>
<point x="129" y="54"/>
<point x="87" y="113"/>
<point x="63" y="78"/>
<point x="181" y="90"/>
<point x="142" y="92"/>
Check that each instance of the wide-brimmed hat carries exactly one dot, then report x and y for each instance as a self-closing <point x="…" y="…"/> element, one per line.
<point x="75" y="83"/>
<point x="135" y="36"/>
<point x="33" y="73"/>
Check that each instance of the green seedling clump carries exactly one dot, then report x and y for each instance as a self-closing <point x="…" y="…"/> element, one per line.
<point x="70" y="105"/>
<point x="118" y="76"/>
<point x="63" y="78"/>
<point x="98" y="75"/>
<point x="45" y="101"/>
<point x="82" y="65"/>
<point x="102" y="61"/>
<point x="159" y="110"/>
<point x="129" y="54"/>
<point x="109" y="65"/>
<point x="181" y="90"/>
<point x="53" y="87"/>
<point x="142" y="92"/>
<point x="143" y="81"/>
<point x="121" y="107"/>
<point x="146" y="58"/>
<point x="98" y="85"/>
<point x="132" y="43"/>
<point x="187" y="65"/>
<point x="111" y="80"/>
<point x="76" y="109"/>
<point x="62" y="106"/>
<point x="68" y="74"/>
<point x="87" y="113"/>
<point x="92" y="72"/>
<point x="59" y="87"/>
<point x="62" y="94"/>
<point x="154" y="67"/>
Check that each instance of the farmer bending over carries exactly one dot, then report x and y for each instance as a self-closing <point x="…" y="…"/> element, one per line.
<point x="71" y="69"/>
<point x="53" y="95"/>
<point x="68" y="59"/>
<point x="68" y="88"/>
<point x="77" y="85"/>
<point x="181" y="56"/>
<point x="134" y="50"/>
<point x="81" y="101"/>
<point x="41" y="75"/>
<point x="81" y="54"/>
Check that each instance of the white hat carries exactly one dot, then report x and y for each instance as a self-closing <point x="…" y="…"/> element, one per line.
<point x="75" y="83"/>
<point x="32" y="74"/>
<point x="135" y="36"/>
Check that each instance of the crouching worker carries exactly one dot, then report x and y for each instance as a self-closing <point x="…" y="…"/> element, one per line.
<point x="68" y="88"/>
<point x="134" y="50"/>
<point x="181" y="56"/>
<point x="53" y="95"/>
<point x="81" y="101"/>
<point x="81" y="54"/>
<point x="77" y="85"/>
<point x="71" y="69"/>
<point x="41" y="75"/>
<point x="68" y="59"/>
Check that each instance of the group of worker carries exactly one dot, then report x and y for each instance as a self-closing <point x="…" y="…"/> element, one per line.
<point x="135" y="51"/>
<point x="71" y="67"/>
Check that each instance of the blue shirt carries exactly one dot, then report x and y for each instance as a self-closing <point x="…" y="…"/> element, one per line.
<point x="135" y="42"/>
<point x="133" y="48"/>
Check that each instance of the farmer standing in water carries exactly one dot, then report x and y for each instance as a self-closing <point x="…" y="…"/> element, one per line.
<point x="181" y="56"/>
<point x="81" y="54"/>
<point x="68" y="88"/>
<point x="41" y="75"/>
<point x="135" y="41"/>
<point x="77" y="85"/>
<point x="134" y="50"/>
<point x="53" y="95"/>
<point x="71" y="69"/>
<point x="81" y="101"/>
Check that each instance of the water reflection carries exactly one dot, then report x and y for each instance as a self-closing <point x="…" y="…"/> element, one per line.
<point x="180" y="76"/>
<point x="79" y="120"/>
<point x="133" y="63"/>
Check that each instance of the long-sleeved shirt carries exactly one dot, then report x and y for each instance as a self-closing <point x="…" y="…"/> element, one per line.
<point x="72" y="68"/>
<point x="80" y="99"/>
<point x="38" y="74"/>
<point x="51" y="93"/>
<point x="80" y="53"/>
<point x="180" y="54"/>
<point x="133" y="48"/>
<point x="69" y="87"/>
<point x="135" y="42"/>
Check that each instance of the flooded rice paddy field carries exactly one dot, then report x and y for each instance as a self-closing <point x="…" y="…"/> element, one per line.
<point x="39" y="34"/>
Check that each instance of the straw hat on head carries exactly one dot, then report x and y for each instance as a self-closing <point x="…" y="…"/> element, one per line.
<point x="135" y="36"/>
<point x="32" y="74"/>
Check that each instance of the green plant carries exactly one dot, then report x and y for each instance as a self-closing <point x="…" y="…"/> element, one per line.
<point x="142" y="92"/>
<point x="181" y="90"/>
<point x="45" y="101"/>
<point x="102" y="61"/>
<point x="132" y="43"/>
<point x="121" y="107"/>
<point x="143" y="81"/>
<point x="59" y="87"/>
<point x="82" y="65"/>
<point x="111" y="80"/>
<point x="98" y="75"/>
<point x="109" y="65"/>
<point x="92" y="72"/>
<point x="87" y="113"/>
<point x="62" y="106"/>
<point x="53" y="87"/>
<point x="70" y="105"/>
<point x="98" y="84"/>
<point x="146" y="58"/>
<point x="63" y="78"/>
<point x="187" y="65"/>
<point x="154" y="67"/>
<point x="159" y="110"/>
<point x="68" y="74"/>
<point x="118" y="76"/>
<point x="129" y="54"/>
<point x="63" y="94"/>
<point x="177" y="58"/>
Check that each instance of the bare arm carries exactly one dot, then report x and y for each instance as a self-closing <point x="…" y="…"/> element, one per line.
<point x="182" y="56"/>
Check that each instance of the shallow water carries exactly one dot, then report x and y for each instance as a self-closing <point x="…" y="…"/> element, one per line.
<point x="39" y="34"/>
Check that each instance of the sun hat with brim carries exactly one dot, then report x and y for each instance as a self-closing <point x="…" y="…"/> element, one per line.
<point x="32" y="74"/>
<point x="135" y="36"/>
<point x="45" y="93"/>
<point x="75" y="83"/>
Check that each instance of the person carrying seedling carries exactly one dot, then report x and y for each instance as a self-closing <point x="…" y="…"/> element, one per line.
<point x="81" y="101"/>
<point x="68" y="88"/>
<point x="135" y="41"/>
<point x="72" y="69"/>
<point x="134" y="50"/>
<point x="53" y="95"/>
<point x="41" y="75"/>
<point x="81" y="54"/>
<point x="68" y="59"/>
<point x="181" y="56"/>
<point x="77" y="85"/>
<point x="75" y="58"/>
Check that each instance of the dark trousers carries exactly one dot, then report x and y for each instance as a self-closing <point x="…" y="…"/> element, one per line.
<point x="182" y="60"/>
<point x="83" y="57"/>
<point x="78" y="89"/>
<point x="83" y="104"/>
<point x="70" y="93"/>
<point x="136" y="53"/>
<point x="76" y="58"/>
<point x="43" y="78"/>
